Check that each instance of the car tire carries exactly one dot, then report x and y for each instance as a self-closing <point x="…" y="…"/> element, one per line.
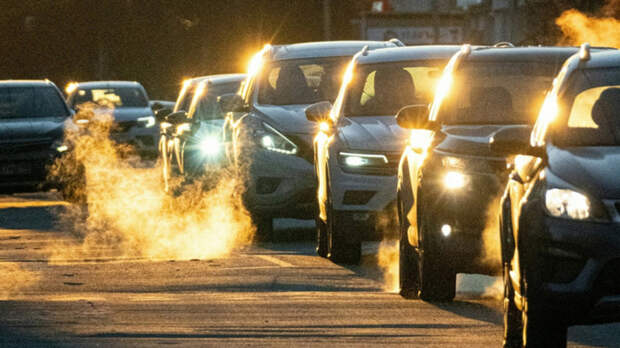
<point x="513" y="324"/>
<point x="344" y="243"/>
<point x="437" y="279"/>
<point x="541" y="328"/>
<point x="407" y="267"/>
<point x="321" y="236"/>
<point x="264" y="228"/>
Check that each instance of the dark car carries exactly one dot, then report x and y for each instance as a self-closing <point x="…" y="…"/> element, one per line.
<point x="560" y="213"/>
<point x="448" y="176"/>
<point x="193" y="142"/>
<point x="357" y="152"/>
<point x="32" y="119"/>
<point x="272" y="139"/>
<point x="128" y="103"/>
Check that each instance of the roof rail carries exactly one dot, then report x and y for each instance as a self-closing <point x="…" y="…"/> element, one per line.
<point x="504" y="44"/>
<point x="397" y="42"/>
<point x="364" y="51"/>
<point x="584" y="52"/>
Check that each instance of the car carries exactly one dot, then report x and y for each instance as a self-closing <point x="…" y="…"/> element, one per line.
<point x="127" y="101"/>
<point x="359" y="144"/>
<point x="195" y="144"/>
<point x="32" y="121"/>
<point x="560" y="212"/>
<point x="161" y="104"/>
<point x="448" y="177"/>
<point x="272" y="139"/>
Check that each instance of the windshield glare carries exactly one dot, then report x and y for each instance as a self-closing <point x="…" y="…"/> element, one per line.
<point x="118" y="97"/>
<point x="31" y="102"/>
<point x="590" y="116"/>
<point x="301" y="81"/>
<point x="497" y="93"/>
<point x="383" y="89"/>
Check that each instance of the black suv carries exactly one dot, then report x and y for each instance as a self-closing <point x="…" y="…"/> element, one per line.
<point x="560" y="213"/>
<point x="448" y="176"/>
<point x="32" y="117"/>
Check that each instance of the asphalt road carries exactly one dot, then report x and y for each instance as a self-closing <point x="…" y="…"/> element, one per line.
<point x="268" y="295"/>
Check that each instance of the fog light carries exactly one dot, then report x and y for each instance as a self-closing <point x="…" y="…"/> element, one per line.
<point x="454" y="180"/>
<point x="446" y="230"/>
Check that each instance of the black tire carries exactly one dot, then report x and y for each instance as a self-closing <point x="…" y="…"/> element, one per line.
<point x="344" y="243"/>
<point x="407" y="267"/>
<point x="321" y="236"/>
<point x="437" y="279"/>
<point x="541" y="328"/>
<point x="513" y="325"/>
<point x="264" y="228"/>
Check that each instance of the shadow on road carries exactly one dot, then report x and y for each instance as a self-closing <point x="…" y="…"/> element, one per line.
<point x="29" y="218"/>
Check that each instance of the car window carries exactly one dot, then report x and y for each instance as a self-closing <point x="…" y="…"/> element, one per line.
<point x="383" y="89"/>
<point x="31" y="102"/>
<point x="206" y="106"/>
<point x="301" y="81"/>
<point x="119" y="97"/>
<point x="590" y="116"/>
<point x="504" y="92"/>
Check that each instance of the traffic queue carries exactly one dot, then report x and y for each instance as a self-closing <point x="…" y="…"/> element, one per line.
<point x="342" y="132"/>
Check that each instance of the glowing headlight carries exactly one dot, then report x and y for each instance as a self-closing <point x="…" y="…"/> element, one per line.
<point x="454" y="180"/>
<point x="270" y="139"/>
<point x="210" y="145"/>
<point x="147" y="121"/>
<point x="567" y="203"/>
<point x="362" y="159"/>
<point x="62" y="148"/>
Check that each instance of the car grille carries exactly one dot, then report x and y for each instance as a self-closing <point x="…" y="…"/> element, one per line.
<point x="608" y="281"/>
<point x="25" y="150"/>
<point x="389" y="169"/>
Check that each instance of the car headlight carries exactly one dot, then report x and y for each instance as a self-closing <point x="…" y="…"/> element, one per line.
<point x="270" y="139"/>
<point x="568" y="204"/>
<point x="59" y="146"/>
<point x="147" y="121"/>
<point x="454" y="180"/>
<point x="362" y="159"/>
<point x="210" y="145"/>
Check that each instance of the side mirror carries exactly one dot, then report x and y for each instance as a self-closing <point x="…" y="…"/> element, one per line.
<point x="160" y="114"/>
<point x="231" y="102"/>
<point x="415" y="117"/>
<point x="177" y="117"/>
<point x="511" y="141"/>
<point x="319" y="112"/>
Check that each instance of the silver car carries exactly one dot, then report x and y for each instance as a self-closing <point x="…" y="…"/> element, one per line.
<point x="359" y="144"/>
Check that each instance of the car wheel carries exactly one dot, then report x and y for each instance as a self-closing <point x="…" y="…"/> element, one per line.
<point x="264" y="228"/>
<point x="321" y="235"/>
<point x="407" y="268"/>
<point x="344" y="244"/>
<point x="437" y="279"/>
<point x="541" y="328"/>
<point x="513" y="326"/>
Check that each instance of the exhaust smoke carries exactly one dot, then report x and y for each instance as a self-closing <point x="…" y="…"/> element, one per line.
<point x="14" y="280"/>
<point x="124" y="208"/>
<point x="602" y="29"/>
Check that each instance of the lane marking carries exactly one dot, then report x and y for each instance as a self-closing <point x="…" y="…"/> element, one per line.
<point x="31" y="204"/>
<point x="275" y="260"/>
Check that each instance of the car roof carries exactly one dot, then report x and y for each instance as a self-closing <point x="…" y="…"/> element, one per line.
<point x="539" y="54"/>
<point x="324" y="49"/>
<point x="217" y="79"/>
<point x="26" y="83"/>
<point x="107" y="84"/>
<point x="396" y="54"/>
<point x="602" y="59"/>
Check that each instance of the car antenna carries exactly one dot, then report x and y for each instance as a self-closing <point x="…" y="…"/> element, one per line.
<point x="364" y="51"/>
<point x="397" y="42"/>
<point x="584" y="52"/>
<point x="504" y="44"/>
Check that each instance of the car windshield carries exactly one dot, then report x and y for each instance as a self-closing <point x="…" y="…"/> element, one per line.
<point x="383" y="89"/>
<point x="591" y="114"/>
<point x="207" y="107"/>
<point x="31" y="102"/>
<point x="119" y="97"/>
<point x="301" y="81"/>
<point x="506" y="92"/>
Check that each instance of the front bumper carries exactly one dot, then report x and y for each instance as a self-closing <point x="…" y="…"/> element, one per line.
<point x="28" y="167"/>
<point x="580" y="266"/>
<point x="144" y="139"/>
<point x="280" y="185"/>
<point x="360" y="192"/>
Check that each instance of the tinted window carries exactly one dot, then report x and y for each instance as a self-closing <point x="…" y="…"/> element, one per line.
<point x="497" y="93"/>
<point x="119" y="97"/>
<point x="302" y="81"/>
<point x="31" y="102"/>
<point x="589" y="111"/>
<point x="383" y="89"/>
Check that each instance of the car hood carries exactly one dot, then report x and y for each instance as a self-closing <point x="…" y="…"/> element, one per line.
<point x="125" y="114"/>
<point x="31" y="130"/>
<point x="286" y="118"/>
<point x="374" y="133"/>
<point x="594" y="169"/>
<point x="469" y="139"/>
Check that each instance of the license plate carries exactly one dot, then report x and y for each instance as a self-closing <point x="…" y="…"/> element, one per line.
<point x="15" y="169"/>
